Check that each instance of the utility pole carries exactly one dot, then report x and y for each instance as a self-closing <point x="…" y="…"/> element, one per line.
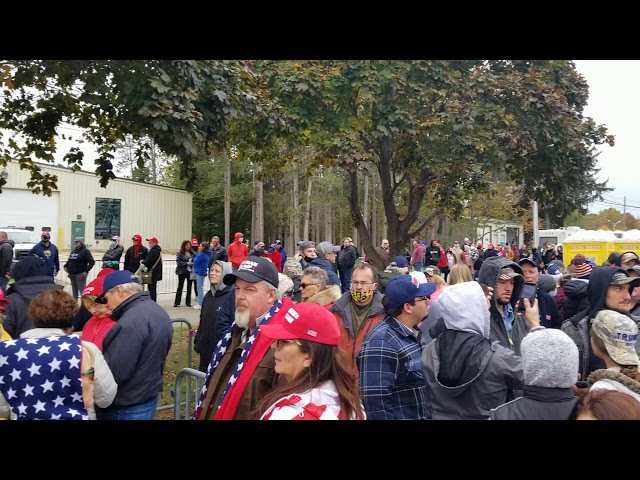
<point x="624" y="213"/>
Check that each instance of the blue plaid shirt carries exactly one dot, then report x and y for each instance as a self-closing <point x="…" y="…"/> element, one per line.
<point x="391" y="382"/>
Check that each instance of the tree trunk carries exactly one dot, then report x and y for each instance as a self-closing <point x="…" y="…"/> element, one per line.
<point x="259" y="208"/>
<point x="295" y="220"/>
<point x="227" y="200"/>
<point x="305" y="228"/>
<point x="154" y="176"/>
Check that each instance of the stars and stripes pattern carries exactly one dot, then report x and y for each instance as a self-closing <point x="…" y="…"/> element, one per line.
<point x="40" y="378"/>
<point x="220" y="350"/>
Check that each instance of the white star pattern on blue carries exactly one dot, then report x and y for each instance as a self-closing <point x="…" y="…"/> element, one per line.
<point x="40" y="382"/>
<point x="221" y="348"/>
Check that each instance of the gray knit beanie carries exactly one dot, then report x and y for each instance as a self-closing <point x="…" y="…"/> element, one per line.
<point x="549" y="359"/>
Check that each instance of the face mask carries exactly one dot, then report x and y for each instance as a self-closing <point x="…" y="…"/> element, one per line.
<point x="241" y="239"/>
<point x="112" y="244"/>
<point x="308" y="259"/>
<point x="361" y="297"/>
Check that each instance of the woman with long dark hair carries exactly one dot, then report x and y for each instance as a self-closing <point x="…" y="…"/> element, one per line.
<point x="321" y="383"/>
<point x="183" y="270"/>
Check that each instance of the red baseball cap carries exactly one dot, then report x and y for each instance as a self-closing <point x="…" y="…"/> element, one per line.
<point x="3" y="301"/>
<point x="194" y="242"/>
<point x="152" y="239"/>
<point x="306" y="321"/>
<point x="95" y="286"/>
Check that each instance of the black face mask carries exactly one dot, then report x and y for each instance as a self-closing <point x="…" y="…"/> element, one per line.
<point x="308" y="259"/>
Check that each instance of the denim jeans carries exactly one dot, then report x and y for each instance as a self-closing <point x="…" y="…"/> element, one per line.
<point x="345" y="279"/>
<point x="141" y="411"/>
<point x="200" y="285"/>
<point x="78" y="282"/>
<point x="418" y="267"/>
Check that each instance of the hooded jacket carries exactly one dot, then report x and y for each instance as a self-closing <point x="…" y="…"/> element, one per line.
<point x="237" y="251"/>
<point x="576" y="301"/>
<point x="327" y="266"/>
<point x="134" y="256"/>
<point x="579" y="326"/>
<point x="550" y="366"/>
<point x="212" y="325"/>
<point x="31" y="278"/>
<point x="488" y="275"/>
<point x="80" y="260"/>
<point x="467" y="373"/>
<point x="6" y="256"/>
<point x="50" y="255"/>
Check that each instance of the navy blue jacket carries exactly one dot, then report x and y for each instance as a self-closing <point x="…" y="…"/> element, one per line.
<point x="136" y="348"/>
<point x="549" y="314"/>
<point x="326" y="265"/>
<point x="50" y="255"/>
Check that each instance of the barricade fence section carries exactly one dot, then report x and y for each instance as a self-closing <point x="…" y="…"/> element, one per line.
<point x="168" y="284"/>
<point x="177" y="394"/>
<point x="184" y="410"/>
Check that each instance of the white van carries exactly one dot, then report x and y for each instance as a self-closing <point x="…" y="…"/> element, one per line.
<point x="23" y="240"/>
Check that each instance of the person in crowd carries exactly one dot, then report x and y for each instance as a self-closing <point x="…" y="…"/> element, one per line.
<point x="549" y="254"/>
<point x="49" y="373"/>
<point x="326" y="259"/>
<point x="536" y="255"/>
<point x="457" y="251"/>
<point x="575" y="290"/>
<point x="383" y="251"/>
<point x="358" y="310"/>
<point x="549" y="314"/>
<point x="30" y="277"/>
<point x="433" y="275"/>
<point x="561" y="296"/>
<point x="241" y="371"/>
<point x="524" y="252"/>
<point x="135" y="348"/>
<point x="200" y="267"/>
<point x="467" y="373"/>
<point x="390" y="373"/>
<point x="258" y="250"/>
<point x="559" y="253"/>
<point x="609" y="288"/>
<point x="111" y="258"/>
<point x="193" y="278"/>
<point x="613" y="339"/>
<point x="417" y="255"/>
<point x="459" y="273"/>
<point x="606" y="405"/>
<point x="315" y="287"/>
<point x="634" y="308"/>
<point x="451" y="261"/>
<point x="548" y="283"/>
<point x="293" y="270"/>
<point x="491" y="251"/>
<point x="506" y="279"/>
<point x="347" y="257"/>
<point x="45" y="250"/>
<point x="285" y="286"/>
<point x="283" y="254"/>
<point x="218" y="252"/>
<point x="78" y="266"/>
<point x="100" y="322"/>
<point x="308" y="253"/>
<point x="433" y="254"/>
<point x="627" y="260"/>
<point x="320" y="383"/>
<point x="135" y="254"/>
<point x="550" y="367"/>
<point x="509" y="253"/>
<point x="153" y="262"/>
<point x="6" y="258"/>
<point x="212" y="326"/>
<point x="237" y="250"/>
<point x="3" y="314"/>
<point x="273" y="254"/>
<point x="611" y="260"/>
<point x="398" y="266"/>
<point x="184" y="265"/>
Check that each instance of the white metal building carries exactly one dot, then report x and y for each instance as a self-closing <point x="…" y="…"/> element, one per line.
<point x="496" y="231"/>
<point x="81" y="207"/>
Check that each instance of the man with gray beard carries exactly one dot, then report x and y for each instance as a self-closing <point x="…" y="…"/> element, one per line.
<point x="242" y="371"/>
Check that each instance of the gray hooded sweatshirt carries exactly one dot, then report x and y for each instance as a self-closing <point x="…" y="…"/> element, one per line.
<point x="468" y="374"/>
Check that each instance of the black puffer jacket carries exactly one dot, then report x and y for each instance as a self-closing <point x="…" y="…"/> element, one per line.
<point x="576" y="299"/>
<point x="20" y="295"/>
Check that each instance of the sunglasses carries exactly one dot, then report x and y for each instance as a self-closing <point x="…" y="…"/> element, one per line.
<point x="305" y="285"/>
<point x="279" y="343"/>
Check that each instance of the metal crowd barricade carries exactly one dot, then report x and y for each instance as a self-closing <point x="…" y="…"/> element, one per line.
<point x="168" y="284"/>
<point x="180" y="357"/>
<point x="191" y="397"/>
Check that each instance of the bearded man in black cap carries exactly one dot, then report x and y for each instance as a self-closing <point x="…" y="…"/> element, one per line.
<point x="242" y="366"/>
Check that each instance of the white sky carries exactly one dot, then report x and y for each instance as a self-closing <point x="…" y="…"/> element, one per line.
<point x="614" y="100"/>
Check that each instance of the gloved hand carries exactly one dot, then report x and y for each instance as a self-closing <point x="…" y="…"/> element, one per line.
<point x="144" y="268"/>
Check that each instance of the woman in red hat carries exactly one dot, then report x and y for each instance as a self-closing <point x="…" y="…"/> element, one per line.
<point x="321" y="381"/>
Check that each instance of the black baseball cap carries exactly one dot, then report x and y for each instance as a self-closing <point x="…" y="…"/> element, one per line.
<point x="252" y="270"/>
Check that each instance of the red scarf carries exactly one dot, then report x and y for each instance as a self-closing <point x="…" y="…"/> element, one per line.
<point x="259" y="348"/>
<point x="136" y="246"/>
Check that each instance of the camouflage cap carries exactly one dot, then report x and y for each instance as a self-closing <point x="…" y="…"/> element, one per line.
<point x="623" y="279"/>
<point x="619" y="333"/>
<point x="432" y="270"/>
<point x="629" y="257"/>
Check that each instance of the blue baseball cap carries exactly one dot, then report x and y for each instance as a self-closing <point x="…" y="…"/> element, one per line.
<point x="404" y="288"/>
<point x="400" y="261"/>
<point x="119" y="277"/>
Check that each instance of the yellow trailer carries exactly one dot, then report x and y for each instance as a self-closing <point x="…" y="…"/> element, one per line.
<point x="595" y="245"/>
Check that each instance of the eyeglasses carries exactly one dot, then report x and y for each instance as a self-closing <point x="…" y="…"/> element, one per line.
<point x="279" y="343"/>
<point x="364" y="284"/>
<point x="420" y="299"/>
<point x="305" y="285"/>
<point x="89" y="373"/>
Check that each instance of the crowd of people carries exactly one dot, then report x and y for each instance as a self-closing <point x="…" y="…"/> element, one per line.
<point x="465" y="333"/>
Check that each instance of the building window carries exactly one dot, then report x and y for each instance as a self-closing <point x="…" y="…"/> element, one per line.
<point x="107" y="217"/>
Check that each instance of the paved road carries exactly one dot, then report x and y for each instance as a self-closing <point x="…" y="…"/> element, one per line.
<point x="165" y="300"/>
